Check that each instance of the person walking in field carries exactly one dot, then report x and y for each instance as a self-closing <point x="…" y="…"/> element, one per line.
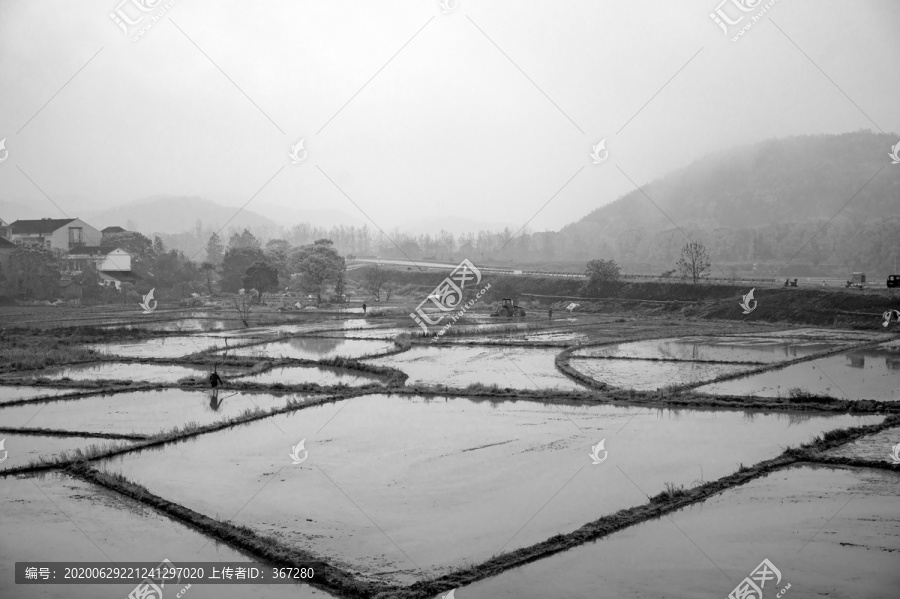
<point x="550" y="313"/>
<point x="364" y="307"/>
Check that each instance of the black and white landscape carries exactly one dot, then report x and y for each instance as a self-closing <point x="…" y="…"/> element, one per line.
<point x="449" y="299"/>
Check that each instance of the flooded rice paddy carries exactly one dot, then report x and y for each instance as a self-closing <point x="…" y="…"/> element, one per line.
<point x="315" y="348"/>
<point x="506" y="367"/>
<point x="137" y="372"/>
<point x="450" y="480"/>
<point x="870" y="373"/>
<point x="162" y="347"/>
<point x="58" y="518"/>
<point x="323" y="375"/>
<point x="22" y="449"/>
<point x="878" y="447"/>
<point x="715" y="349"/>
<point x="10" y="393"/>
<point x="141" y="412"/>
<point x="644" y="375"/>
<point x="830" y="532"/>
<point x="403" y="488"/>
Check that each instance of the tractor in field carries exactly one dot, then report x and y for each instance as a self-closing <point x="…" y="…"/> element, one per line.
<point x="509" y="307"/>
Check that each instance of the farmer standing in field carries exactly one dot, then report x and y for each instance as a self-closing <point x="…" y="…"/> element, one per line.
<point x="364" y="307"/>
<point x="550" y="313"/>
<point x="214" y="378"/>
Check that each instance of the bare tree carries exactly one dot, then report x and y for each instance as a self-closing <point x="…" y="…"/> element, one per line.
<point x="242" y="304"/>
<point x="375" y="279"/>
<point x="389" y="288"/>
<point x="694" y="261"/>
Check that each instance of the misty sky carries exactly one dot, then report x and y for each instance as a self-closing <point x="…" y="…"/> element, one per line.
<point x="448" y="126"/>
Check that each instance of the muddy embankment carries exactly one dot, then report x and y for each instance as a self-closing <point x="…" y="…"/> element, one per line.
<point x="802" y="305"/>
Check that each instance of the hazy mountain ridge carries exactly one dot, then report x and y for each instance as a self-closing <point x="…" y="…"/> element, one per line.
<point x="791" y="179"/>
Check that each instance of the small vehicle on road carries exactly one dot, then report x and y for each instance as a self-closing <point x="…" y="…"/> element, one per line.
<point x="893" y="281"/>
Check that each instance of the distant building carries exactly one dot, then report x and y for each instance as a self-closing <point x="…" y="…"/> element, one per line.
<point x="55" y="233"/>
<point x="105" y="259"/>
<point x="110" y="231"/>
<point x="5" y="233"/>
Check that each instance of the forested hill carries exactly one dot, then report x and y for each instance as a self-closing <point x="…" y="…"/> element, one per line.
<point x="760" y="203"/>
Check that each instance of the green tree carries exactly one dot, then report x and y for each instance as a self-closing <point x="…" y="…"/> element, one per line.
<point x="243" y="240"/>
<point x="91" y="283"/>
<point x="261" y="276"/>
<point x="235" y="265"/>
<point x="601" y="274"/>
<point x="208" y="269"/>
<point x="215" y="251"/>
<point x="694" y="262"/>
<point x="34" y="271"/>
<point x="319" y="264"/>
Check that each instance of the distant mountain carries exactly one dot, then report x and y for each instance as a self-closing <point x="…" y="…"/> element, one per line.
<point x="176" y="214"/>
<point x="804" y="205"/>
<point x="776" y="181"/>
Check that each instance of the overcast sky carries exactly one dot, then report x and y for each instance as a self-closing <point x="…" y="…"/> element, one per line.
<point x="487" y="111"/>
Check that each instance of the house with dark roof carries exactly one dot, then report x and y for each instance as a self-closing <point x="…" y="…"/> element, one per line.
<point x="4" y="229"/>
<point x="55" y="233"/>
<point x="112" y="230"/>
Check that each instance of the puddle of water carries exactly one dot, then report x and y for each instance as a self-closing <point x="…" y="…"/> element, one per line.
<point x="720" y="349"/>
<point x="513" y="367"/>
<point x="25" y="448"/>
<point x="858" y="374"/>
<point x="150" y="373"/>
<point x="855" y="555"/>
<point x="58" y="518"/>
<point x="16" y="392"/>
<point x="323" y="375"/>
<point x="315" y="348"/>
<point x="642" y="375"/>
<point x="164" y="347"/>
<point x="141" y="412"/>
<point x="451" y="480"/>
<point x="879" y="447"/>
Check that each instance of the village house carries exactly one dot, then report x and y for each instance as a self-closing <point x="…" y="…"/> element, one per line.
<point x="55" y="233"/>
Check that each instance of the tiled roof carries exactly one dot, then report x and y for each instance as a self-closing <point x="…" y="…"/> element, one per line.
<point x="40" y="226"/>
